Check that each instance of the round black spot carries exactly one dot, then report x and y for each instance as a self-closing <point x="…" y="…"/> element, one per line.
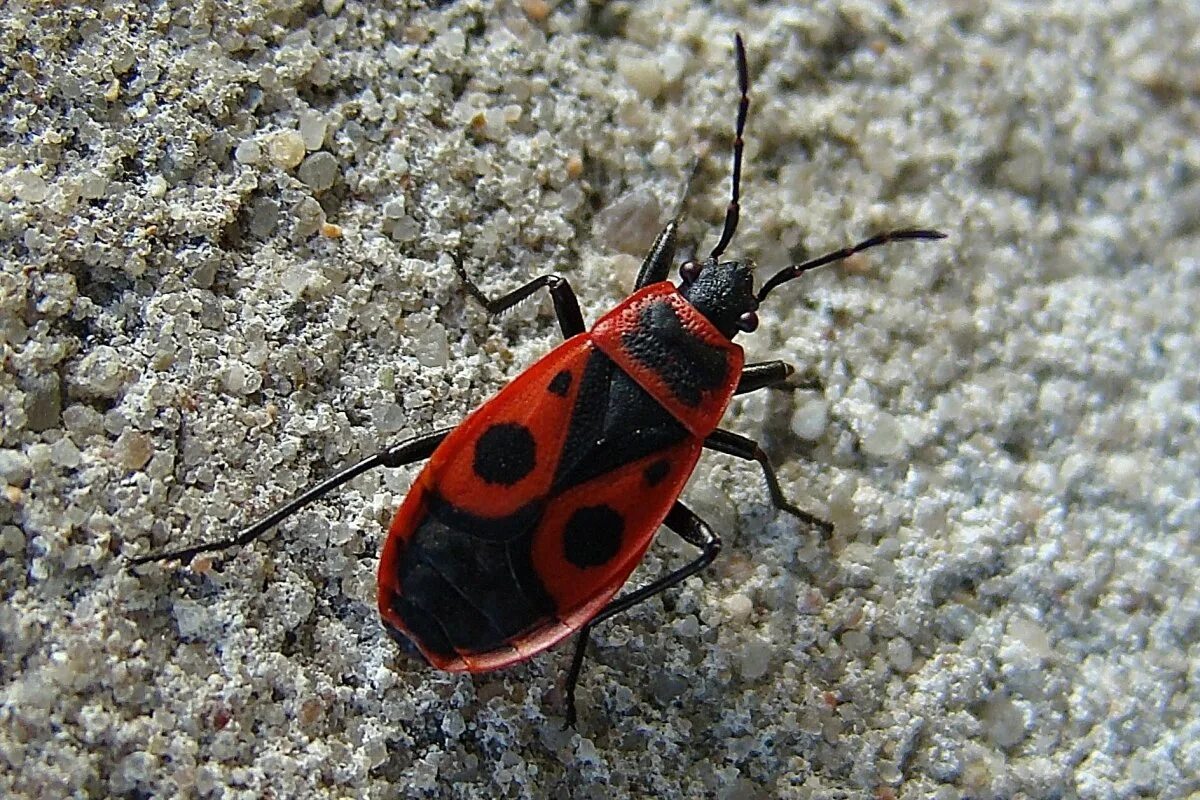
<point x="505" y="453"/>
<point x="655" y="473"/>
<point x="593" y="536"/>
<point x="560" y="384"/>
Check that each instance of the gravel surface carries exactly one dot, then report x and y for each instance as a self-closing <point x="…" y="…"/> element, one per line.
<point x="225" y="271"/>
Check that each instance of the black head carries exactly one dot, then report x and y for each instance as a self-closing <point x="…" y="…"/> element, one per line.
<point x="723" y="292"/>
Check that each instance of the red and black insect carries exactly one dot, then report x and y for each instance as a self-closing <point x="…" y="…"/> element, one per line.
<point x="532" y="513"/>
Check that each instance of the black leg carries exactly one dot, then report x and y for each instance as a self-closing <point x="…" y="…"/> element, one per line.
<point x="760" y="376"/>
<point x="694" y="531"/>
<point x="739" y="446"/>
<point x="396" y="456"/>
<point x="566" y="306"/>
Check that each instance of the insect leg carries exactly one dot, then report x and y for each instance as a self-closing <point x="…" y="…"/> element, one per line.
<point x="739" y="446"/>
<point x="695" y="531"/>
<point x="762" y="375"/>
<point x="395" y="456"/>
<point x="566" y="306"/>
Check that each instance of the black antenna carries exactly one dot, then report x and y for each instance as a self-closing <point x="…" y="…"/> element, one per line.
<point x="785" y="275"/>
<point x="734" y="208"/>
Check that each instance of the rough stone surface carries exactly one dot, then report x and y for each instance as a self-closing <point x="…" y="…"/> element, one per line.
<point x="225" y="271"/>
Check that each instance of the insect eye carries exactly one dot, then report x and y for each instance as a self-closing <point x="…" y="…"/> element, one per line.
<point x="689" y="271"/>
<point x="748" y="322"/>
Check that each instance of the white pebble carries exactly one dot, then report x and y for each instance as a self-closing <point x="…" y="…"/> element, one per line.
<point x="248" y="152"/>
<point x="738" y="607"/>
<point x="65" y="453"/>
<point x="432" y="347"/>
<point x="388" y="417"/>
<point x="14" y="467"/>
<point x="29" y="186"/>
<point x="811" y="419"/>
<point x="312" y="129"/>
<point x="883" y="437"/>
<point x="756" y="659"/>
<point x="1004" y="720"/>
<point x="156" y="186"/>
<point x="643" y="75"/>
<point x="100" y="372"/>
<point x="899" y="654"/>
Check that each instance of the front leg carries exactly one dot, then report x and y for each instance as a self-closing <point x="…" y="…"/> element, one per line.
<point x="566" y="305"/>
<point x="768" y="374"/>
<point x="657" y="264"/>
<point x="764" y="374"/>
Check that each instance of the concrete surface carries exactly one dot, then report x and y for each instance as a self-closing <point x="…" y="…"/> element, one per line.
<point x="224" y="273"/>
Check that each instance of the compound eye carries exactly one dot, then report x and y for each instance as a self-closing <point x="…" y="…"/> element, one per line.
<point x="748" y="322"/>
<point x="689" y="271"/>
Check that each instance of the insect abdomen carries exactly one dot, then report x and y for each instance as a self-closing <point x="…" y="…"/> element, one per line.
<point x="467" y="583"/>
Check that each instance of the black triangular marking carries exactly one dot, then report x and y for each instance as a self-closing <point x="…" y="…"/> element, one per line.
<point x="614" y="422"/>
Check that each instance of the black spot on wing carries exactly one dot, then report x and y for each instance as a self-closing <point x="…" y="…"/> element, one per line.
<point x="560" y="384"/>
<point x="686" y="364"/>
<point x="505" y="453"/>
<point x="613" y="422"/>
<point x="592" y="536"/>
<point x="468" y="582"/>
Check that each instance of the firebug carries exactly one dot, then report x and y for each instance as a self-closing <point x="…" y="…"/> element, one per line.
<point x="531" y="514"/>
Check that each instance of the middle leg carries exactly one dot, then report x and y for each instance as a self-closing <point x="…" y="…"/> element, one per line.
<point x="739" y="446"/>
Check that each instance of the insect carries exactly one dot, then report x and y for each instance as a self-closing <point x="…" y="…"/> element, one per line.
<point x="532" y="513"/>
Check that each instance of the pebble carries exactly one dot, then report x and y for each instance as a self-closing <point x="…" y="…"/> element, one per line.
<point x="286" y="149"/>
<point x="755" y="659"/>
<point x="248" y="152"/>
<point x="900" y="654"/>
<point x="29" y="186"/>
<point x="101" y="372"/>
<point x="14" y="467"/>
<point x="65" y="454"/>
<point x="810" y="420"/>
<point x="319" y="171"/>
<point x="738" y="607"/>
<point x="133" y="449"/>
<point x="313" y="127"/>
<point x="883" y="437"/>
<point x="644" y="75"/>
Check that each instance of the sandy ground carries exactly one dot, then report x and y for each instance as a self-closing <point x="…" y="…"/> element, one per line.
<point x="224" y="273"/>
